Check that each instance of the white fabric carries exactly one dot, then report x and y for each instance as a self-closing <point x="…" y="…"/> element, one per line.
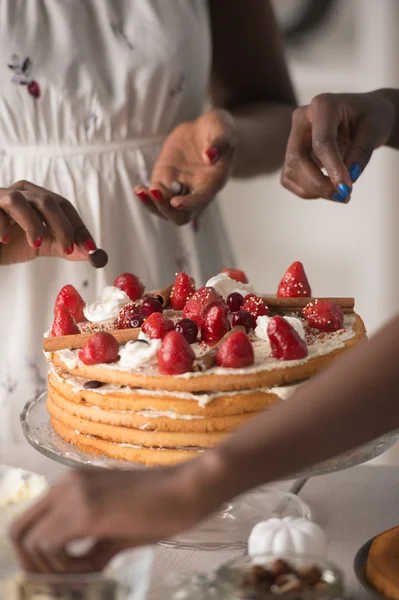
<point x="115" y="77"/>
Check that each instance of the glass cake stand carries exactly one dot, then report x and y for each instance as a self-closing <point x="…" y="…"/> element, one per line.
<point x="230" y="527"/>
<point x="39" y="433"/>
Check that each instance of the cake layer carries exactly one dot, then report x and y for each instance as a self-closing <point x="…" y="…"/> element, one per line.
<point x="266" y="372"/>
<point x="148" y="420"/>
<point x="150" y="457"/>
<point x="117" y="398"/>
<point x="125" y="435"/>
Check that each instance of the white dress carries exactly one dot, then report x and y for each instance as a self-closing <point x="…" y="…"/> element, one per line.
<point x="89" y="90"/>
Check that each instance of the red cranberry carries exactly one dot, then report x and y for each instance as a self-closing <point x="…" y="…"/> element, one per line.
<point x="188" y="329"/>
<point x="234" y="301"/>
<point x="136" y="320"/>
<point x="243" y="318"/>
<point x="151" y="305"/>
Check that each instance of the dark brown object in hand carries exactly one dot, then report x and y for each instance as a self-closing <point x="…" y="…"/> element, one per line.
<point x="98" y="259"/>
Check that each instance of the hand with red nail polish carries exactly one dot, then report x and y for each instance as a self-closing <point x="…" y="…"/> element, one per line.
<point x="193" y="166"/>
<point x="37" y="222"/>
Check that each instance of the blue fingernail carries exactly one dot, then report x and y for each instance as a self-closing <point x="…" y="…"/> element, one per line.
<point x="338" y="198"/>
<point x="355" y="172"/>
<point x="344" y="189"/>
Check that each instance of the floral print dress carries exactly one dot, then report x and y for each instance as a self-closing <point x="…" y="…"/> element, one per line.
<point x="89" y="90"/>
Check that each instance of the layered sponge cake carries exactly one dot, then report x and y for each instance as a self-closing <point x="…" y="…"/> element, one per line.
<point x="158" y="378"/>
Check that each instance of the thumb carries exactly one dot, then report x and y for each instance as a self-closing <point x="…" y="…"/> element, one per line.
<point x="365" y="141"/>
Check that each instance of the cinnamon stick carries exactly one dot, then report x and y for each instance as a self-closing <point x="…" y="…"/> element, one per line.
<point x="298" y="304"/>
<point x="73" y="342"/>
<point x="163" y="295"/>
<point x="208" y="360"/>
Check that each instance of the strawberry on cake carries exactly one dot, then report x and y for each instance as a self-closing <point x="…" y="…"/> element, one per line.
<point x="156" y="378"/>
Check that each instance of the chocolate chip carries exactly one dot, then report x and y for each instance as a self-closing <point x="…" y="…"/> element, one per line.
<point x="98" y="259"/>
<point x="92" y="385"/>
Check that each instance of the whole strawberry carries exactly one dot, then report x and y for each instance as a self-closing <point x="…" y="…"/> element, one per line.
<point x="324" y="315"/>
<point x="156" y="326"/>
<point x="294" y="284"/>
<point x="215" y="324"/>
<point x="64" y="323"/>
<point x="130" y="284"/>
<point x="183" y="289"/>
<point x="255" y="306"/>
<point x="73" y="301"/>
<point x="285" y="342"/>
<point x="199" y="303"/>
<point x="175" y="355"/>
<point x="130" y="316"/>
<point x="100" y="348"/>
<point x="236" y="274"/>
<point x="236" y="352"/>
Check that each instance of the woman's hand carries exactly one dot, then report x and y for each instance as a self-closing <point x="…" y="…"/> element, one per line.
<point x="337" y="132"/>
<point x="116" y="509"/>
<point x="193" y="166"/>
<point x="36" y="222"/>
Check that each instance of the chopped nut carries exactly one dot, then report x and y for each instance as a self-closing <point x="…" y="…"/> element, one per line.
<point x="279" y="567"/>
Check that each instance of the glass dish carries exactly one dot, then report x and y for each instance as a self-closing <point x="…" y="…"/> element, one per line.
<point x="231" y="580"/>
<point x="229" y="528"/>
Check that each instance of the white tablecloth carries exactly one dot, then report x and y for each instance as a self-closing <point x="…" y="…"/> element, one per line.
<point x="352" y="506"/>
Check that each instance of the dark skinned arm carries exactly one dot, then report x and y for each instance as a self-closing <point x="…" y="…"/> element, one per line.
<point x="250" y="79"/>
<point x="352" y="402"/>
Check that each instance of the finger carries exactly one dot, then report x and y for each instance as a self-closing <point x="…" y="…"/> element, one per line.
<point x="161" y="196"/>
<point x="17" y="207"/>
<point x="49" y="539"/>
<point x="20" y="528"/>
<point x="301" y="174"/>
<point x="55" y="219"/>
<point x="4" y="227"/>
<point x="142" y="194"/>
<point x="365" y="141"/>
<point x="326" y="120"/>
<point x="83" y="238"/>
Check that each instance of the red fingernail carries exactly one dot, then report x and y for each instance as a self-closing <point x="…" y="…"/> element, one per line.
<point x="37" y="243"/>
<point x="70" y="249"/>
<point x="157" y="194"/>
<point x="143" y="197"/>
<point x="177" y="204"/>
<point x="6" y="239"/>
<point x="213" y="154"/>
<point x="90" y="245"/>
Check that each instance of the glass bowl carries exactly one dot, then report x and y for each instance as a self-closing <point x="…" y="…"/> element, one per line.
<point x="232" y="579"/>
<point x="126" y="578"/>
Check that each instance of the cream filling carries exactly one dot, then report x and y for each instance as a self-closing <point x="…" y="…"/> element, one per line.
<point x="77" y="383"/>
<point x="319" y="344"/>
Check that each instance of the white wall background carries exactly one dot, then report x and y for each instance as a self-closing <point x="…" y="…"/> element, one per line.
<point x="348" y="250"/>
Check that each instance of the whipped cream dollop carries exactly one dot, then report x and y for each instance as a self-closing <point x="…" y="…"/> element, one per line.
<point x="263" y="321"/>
<point x="134" y="354"/>
<point x="17" y="485"/>
<point x="111" y="301"/>
<point x="224" y="286"/>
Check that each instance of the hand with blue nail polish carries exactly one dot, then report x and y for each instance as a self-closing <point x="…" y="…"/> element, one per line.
<point x="337" y="133"/>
